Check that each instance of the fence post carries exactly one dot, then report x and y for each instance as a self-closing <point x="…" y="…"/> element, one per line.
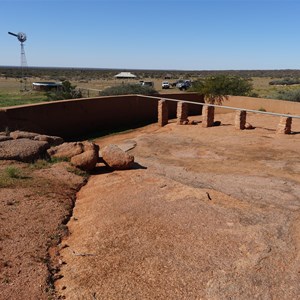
<point x="240" y="119"/>
<point x="182" y="113"/>
<point x="284" y="126"/>
<point x="163" y="115"/>
<point x="208" y="115"/>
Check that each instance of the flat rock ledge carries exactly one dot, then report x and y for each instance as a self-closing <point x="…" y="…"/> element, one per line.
<point x="24" y="150"/>
<point x="25" y="146"/>
<point x="51" y="140"/>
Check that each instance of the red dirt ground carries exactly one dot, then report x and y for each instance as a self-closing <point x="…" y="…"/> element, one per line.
<point x="33" y="211"/>
<point x="207" y="213"/>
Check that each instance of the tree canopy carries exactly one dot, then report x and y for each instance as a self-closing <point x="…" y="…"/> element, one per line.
<point x="217" y="88"/>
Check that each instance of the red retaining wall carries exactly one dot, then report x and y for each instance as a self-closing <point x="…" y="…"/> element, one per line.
<point x="77" y="117"/>
<point x="270" y="105"/>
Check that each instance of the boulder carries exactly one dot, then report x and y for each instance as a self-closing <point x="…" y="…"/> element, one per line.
<point x="67" y="150"/>
<point x="90" y="146"/>
<point x="23" y="135"/>
<point x="52" y="140"/>
<point x="83" y="155"/>
<point x="116" y="158"/>
<point x="248" y="126"/>
<point x="25" y="150"/>
<point x="86" y="160"/>
<point x="216" y="123"/>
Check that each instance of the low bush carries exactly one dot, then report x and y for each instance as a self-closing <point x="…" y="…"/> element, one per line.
<point x="13" y="172"/>
<point x="67" y="91"/>
<point x="46" y="163"/>
<point x="128" y="89"/>
<point x="285" y="81"/>
<point x="12" y="175"/>
<point x="291" y="95"/>
<point x="261" y="109"/>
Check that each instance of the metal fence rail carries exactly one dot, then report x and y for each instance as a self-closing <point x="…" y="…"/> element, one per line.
<point x="226" y="107"/>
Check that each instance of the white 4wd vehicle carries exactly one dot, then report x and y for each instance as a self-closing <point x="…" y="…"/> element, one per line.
<point x="165" y="85"/>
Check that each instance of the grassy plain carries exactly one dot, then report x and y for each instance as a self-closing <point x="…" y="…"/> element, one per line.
<point x="11" y="95"/>
<point x="91" y="81"/>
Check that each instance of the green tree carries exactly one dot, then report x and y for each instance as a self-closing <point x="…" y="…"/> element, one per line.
<point x="66" y="91"/>
<point x="217" y="88"/>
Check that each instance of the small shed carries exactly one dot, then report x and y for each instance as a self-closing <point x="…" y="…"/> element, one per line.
<point x="125" y="75"/>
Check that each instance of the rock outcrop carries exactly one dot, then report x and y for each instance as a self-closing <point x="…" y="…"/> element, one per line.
<point x="25" y="146"/>
<point x="29" y="146"/>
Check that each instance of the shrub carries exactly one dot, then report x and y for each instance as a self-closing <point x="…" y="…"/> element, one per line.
<point x="13" y="172"/>
<point x="10" y="176"/>
<point x="216" y="88"/>
<point x="292" y="95"/>
<point x="127" y="89"/>
<point x="46" y="163"/>
<point x="285" y="81"/>
<point x="67" y="91"/>
<point x="261" y="109"/>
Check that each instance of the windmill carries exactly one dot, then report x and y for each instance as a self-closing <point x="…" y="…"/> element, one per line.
<point x="22" y="38"/>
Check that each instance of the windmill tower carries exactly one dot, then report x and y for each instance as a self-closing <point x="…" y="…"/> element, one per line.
<point x="22" y="38"/>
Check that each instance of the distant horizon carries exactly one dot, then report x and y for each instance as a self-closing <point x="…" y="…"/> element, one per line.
<point x="144" y="69"/>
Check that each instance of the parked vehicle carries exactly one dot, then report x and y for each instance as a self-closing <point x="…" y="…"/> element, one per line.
<point x="165" y="85"/>
<point x="183" y="84"/>
<point x="147" y="83"/>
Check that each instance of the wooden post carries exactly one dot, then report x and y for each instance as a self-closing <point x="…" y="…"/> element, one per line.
<point x="163" y="115"/>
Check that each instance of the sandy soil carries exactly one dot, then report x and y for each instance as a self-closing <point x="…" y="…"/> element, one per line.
<point x="34" y="209"/>
<point x="207" y="213"/>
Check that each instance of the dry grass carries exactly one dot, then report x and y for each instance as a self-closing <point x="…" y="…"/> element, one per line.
<point x="10" y="93"/>
<point x="264" y="90"/>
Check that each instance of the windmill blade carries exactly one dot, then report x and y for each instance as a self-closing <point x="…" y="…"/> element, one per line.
<point x="11" y="33"/>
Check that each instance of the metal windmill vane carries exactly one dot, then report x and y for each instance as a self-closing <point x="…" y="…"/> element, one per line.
<point x="22" y="38"/>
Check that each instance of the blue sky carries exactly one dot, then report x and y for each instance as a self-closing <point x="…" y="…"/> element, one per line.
<point x="153" y="34"/>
